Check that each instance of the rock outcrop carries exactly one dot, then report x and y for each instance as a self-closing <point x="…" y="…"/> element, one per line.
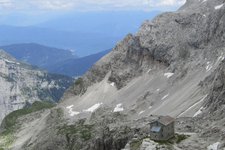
<point x="22" y="84"/>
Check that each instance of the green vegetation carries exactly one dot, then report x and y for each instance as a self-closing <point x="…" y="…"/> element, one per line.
<point x="6" y="141"/>
<point x="180" y="138"/>
<point x="59" y="112"/>
<point x="9" y="123"/>
<point x="135" y="145"/>
<point x="80" y="130"/>
<point x="176" y="139"/>
<point x="79" y="81"/>
<point x="79" y="86"/>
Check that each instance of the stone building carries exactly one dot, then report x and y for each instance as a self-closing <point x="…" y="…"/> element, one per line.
<point x="162" y="129"/>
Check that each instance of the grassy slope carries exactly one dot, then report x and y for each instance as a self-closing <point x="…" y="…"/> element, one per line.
<point x="9" y="124"/>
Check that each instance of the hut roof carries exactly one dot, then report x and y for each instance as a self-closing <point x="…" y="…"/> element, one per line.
<point x="166" y="120"/>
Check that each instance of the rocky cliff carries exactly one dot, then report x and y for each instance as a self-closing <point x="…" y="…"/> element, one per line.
<point x="22" y="84"/>
<point x="164" y="63"/>
<point x="173" y="66"/>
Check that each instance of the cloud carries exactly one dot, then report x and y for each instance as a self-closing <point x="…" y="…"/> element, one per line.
<point x="6" y="4"/>
<point x="53" y="4"/>
<point x="85" y="5"/>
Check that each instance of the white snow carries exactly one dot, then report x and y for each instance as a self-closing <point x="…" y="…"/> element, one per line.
<point x="220" y="58"/>
<point x="149" y="70"/>
<point x="204" y="1"/>
<point x="195" y="104"/>
<point x="164" y="97"/>
<point x="71" y="112"/>
<point x="168" y="75"/>
<point x="199" y="112"/>
<point x="69" y="107"/>
<point x="157" y="90"/>
<point x="141" y="112"/>
<point x="204" y="15"/>
<point x="112" y="84"/>
<point x="11" y="62"/>
<point x="94" y="107"/>
<point x="214" y="146"/>
<point x="150" y="107"/>
<point x="219" y="6"/>
<point x="118" y="108"/>
<point x="208" y="67"/>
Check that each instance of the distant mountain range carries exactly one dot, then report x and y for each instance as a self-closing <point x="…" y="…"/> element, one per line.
<point x="38" y="55"/>
<point x="82" y="43"/>
<point x="85" y="33"/>
<point x="77" y="67"/>
<point x="52" y="59"/>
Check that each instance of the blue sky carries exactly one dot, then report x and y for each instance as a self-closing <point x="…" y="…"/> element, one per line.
<point x="87" y="5"/>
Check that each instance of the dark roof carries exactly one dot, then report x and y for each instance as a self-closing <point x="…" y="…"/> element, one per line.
<point x="165" y="120"/>
<point x="155" y="129"/>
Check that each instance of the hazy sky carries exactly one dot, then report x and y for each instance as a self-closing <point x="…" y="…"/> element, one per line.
<point x="32" y="12"/>
<point x="87" y="5"/>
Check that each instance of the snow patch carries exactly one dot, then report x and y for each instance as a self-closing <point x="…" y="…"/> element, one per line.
<point x="69" y="107"/>
<point x="71" y="112"/>
<point x="204" y="1"/>
<point x="94" y="107"/>
<point x="208" y="67"/>
<point x="141" y="112"/>
<point x="11" y="62"/>
<point x="112" y="84"/>
<point x="157" y="90"/>
<point x="219" y="6"/>
<point x="150" y="107"/>
<point x="214" y="146"/>
<point x="199" y="112"/>
<point x="195" y="104"/>
<point x="164" y="97"/>
<point x="168" y="75"/>
<point x="118" y="108"/>
<point x="220" y="58"/>
<point x="149" y="70"/>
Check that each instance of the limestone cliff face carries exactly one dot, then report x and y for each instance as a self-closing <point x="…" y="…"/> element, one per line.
<point x="21" y="84"/>
<point x="215" y="87"/>
<point x="168" y="58"/>
<point x="190" y="37"/>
